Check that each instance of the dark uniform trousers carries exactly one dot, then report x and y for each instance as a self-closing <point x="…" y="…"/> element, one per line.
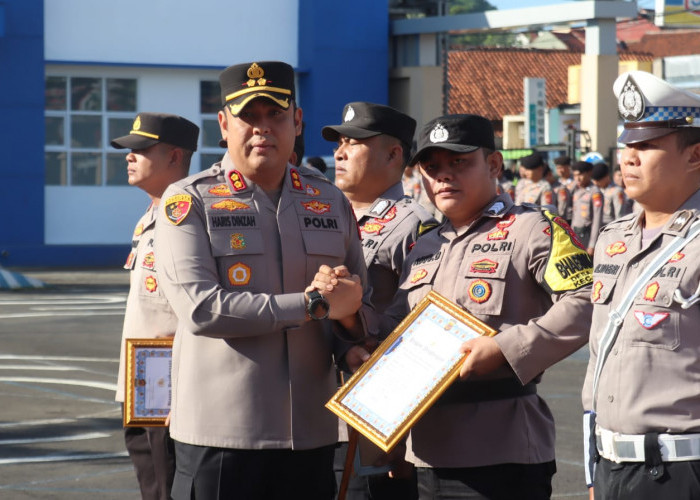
<point x="632" y="481"/>
<point x="524" y="482"/>
<point x="152" y="451"/>
<point x="207" y="473"/>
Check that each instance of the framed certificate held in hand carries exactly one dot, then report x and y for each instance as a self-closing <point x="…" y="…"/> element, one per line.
<point x="408" y="372"/>
<point x="148" y="388"/>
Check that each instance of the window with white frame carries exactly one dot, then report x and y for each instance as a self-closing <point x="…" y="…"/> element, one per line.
<point x="210" y="104"/>
<point x="82" y="114"/>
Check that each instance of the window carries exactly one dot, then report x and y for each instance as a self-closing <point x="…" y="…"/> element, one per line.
<point x="82" y="115"/>
<point x="210" y="104"/>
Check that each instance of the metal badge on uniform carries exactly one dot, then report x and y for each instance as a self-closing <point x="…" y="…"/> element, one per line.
<point x="651" y="291"/>
<point x="237" y="181"/>
<point x="486" y="266"/>
<point x="151" y="284"/>
<point x="149" y="261"/>
<point x="497" y="234"/>
<point x="177" y="207"/>
<point x="372" y="228"/>
<point x="312" y="191"/>
<point x="296" y="180"/>
<point x="630" y="103"/>
<point x="419" y="275"/>
<point x="237" y="241"/>
<point x="439" y="134"/>
<point x="649" y="320"/>
<point x="239" y="274"/>
<point x="616" y="248"/>
<point x="230" y="205"/>
<point x="680" y="220"/>
<point x="220" y="190"/>
<point x="379" y="208"/>
<point x="676" y="257"/>
<point x="316" y="206"/>
<point x="496" y="209"/>
<point x="479" y="291"/>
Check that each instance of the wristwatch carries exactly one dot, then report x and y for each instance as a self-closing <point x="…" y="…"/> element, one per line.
<point x="318" y="307"/>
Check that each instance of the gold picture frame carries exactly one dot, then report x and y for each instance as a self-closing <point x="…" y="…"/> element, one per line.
<point x="408" y="372"/>
<point x="148" y="382"/>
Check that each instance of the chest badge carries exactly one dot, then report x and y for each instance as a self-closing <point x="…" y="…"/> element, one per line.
<point x="486" y="266"/>
<point x="497" y="234"/>
<point x="650" y="320"/>
<point x="316" y="206"/>
<point x="420" y="274"/>
<point x="616" y="248"/>
<point x="239" y="274"/>
<point x="151" y="284"/>
<point x="676" y="257"/>
<point x="237" y="241"/>
<point x="149" y="261"/>
<point x="595" y="292"/>
<point x="390" y="215"/>
<point x="177" y="207"/>
<point x="372" y="228"/>
<point x="312" y="191"/>
<point x="651" y="291"/>
<point x="479" y="291"/>
<point x="507" y="222"/>
<point x="230" y="205"/>
<point x="220" y="190"/>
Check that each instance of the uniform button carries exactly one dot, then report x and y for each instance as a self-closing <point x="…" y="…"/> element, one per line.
<point x="611" y="398"/>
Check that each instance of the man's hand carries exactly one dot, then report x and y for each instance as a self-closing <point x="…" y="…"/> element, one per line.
<point x="342" y="290"/>
<point x="483" y="356"/>
<point x="355" y="356"/>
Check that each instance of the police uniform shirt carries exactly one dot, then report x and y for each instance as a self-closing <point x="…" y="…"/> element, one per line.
<point x="248" y="371"/>
<point x="537" y="193"/>
<point x="148" y="314"/>
<point x="651" y="377"/>
<point x="587" y="213"/>
<point x="520" y="185"/>
<point x="516" y="269"/>
<point x="389" y="229"/>
<point x="614" y="203"/>
<point x="563" y="197"/>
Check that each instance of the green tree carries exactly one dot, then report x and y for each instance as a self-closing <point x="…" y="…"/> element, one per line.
<point x="478" y="39"/>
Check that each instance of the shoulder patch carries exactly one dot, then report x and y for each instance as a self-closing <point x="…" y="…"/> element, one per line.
<point x="177" y="207"/>
<point x="426" y="227"/>
<point x="569" y="267"/>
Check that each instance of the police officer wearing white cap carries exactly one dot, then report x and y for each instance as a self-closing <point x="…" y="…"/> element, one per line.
<point x="641" y="391"/>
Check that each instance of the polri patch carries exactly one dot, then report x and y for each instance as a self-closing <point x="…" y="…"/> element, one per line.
<point x="177" y="207"/>
<point x="479" y="291"/>
<point x="650" y="320"/>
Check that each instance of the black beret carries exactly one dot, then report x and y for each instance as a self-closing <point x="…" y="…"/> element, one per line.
<point x="151" y="128"/>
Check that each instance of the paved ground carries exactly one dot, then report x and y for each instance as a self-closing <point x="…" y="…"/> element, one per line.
<point x="60" y="429"/>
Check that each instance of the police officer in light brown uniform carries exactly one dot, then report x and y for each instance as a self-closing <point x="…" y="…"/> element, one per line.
<point x="537" y="191"/>
<point x="374" y="144"/>
<point x="644" y="369"/>
<point x="614" y="202"/>
<point x="518" y="269"/>
<point x="587" y="206"/>
<point x="253" y="354"/>
<point x="161" y="149"/>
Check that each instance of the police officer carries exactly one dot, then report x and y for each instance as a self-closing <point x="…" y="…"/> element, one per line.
<point x="161" y="149"/>
<point x="562" y="164"/>
<point x="252" y="358"/>
<point x="561" y="194"/>
<point x="537" y="191"/>
<point x="644" y="369"/>
<point x="518" y="269"/>
<point x="374" y="145"/>
<point x="614" y="203"/>
<point x="587" y="206"/>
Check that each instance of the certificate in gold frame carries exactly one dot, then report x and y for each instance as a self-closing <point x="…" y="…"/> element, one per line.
<point x="147" y="392"/>
<point x="381" y="400"/>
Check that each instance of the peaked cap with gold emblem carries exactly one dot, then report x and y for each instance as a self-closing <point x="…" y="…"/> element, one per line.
<point x="151" y="128"/>
<point x="457" y="133"/>
<point x="651" y="107"/>
<point x="242" y="83"/>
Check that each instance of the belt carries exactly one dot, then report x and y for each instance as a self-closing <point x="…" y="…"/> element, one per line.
<point x="485" y="390"/>
<point x="618" y="447"/>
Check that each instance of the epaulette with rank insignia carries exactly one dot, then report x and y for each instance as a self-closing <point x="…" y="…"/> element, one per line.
<point x="426" y="227"/>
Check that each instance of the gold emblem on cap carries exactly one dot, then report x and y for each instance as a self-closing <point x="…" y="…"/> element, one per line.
<point x="137" y="123"/>
<point x="439" y="134"/>
<point x="256" y="73"/>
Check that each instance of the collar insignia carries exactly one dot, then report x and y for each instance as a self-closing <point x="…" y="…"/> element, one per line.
<point x="379" y="207"/>
<point x="237" y="180"/>
<point x="439" y="134"/>
<point x="296" y="180"/>
<point x="630" y="104"/>
<point x="680" y="221"/>
<point x="496" y="208"/>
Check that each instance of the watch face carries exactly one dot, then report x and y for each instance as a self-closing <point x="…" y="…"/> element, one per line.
<point x="318" y="306"/>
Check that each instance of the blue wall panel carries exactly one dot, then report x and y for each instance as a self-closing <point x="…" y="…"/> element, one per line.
<point x="343" y="57"/>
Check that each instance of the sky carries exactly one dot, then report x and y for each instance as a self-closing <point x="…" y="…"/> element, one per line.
<point x="518" y="4"/>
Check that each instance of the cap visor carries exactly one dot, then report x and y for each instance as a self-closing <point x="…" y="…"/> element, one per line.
<point x="333" y="132"/>
<point x="633" y="135"/>
<point x="235" y="106"/>
<point x="456" y="148"/>
<point x="133" y="141"/>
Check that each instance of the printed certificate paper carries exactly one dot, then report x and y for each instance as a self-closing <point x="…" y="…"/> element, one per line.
<point x="147" y="394"/>
<point x="408" y="372"/>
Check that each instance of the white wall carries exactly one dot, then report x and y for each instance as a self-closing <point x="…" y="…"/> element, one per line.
<point x="171" y="32"/>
